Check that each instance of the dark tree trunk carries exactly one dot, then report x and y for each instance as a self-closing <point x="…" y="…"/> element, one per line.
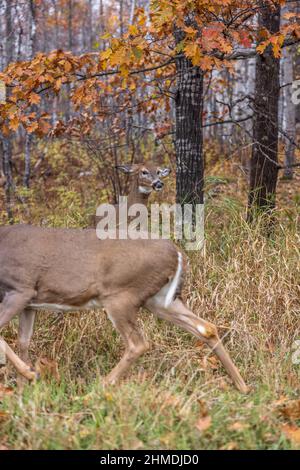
<point x="188" y="137"/>
<point x="263" y="170"/>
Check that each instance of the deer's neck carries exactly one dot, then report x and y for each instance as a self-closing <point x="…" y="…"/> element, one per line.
<point x="137" y="197"/>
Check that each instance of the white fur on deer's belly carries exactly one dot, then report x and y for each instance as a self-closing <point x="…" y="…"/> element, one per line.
<point x="91" y="304"/>
<point x="167" y="294"/>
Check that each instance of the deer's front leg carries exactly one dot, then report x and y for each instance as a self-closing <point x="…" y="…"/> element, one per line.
<point x="180" y="315"/>
<point x="13" y="303"/>
<point x="26" y="323"/>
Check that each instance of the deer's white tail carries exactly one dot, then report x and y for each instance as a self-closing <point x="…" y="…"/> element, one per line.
<point x="174" y="283"/>
<point x="167" y="294"/>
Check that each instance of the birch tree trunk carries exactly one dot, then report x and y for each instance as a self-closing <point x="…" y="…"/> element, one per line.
<point x="289" y="113"/>
<point x="31" y="52"/>
<point x="6" y="141"/>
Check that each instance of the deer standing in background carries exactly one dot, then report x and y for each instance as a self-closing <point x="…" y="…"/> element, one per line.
<point x="144" y="179"/>
<point x="71" y="269"/>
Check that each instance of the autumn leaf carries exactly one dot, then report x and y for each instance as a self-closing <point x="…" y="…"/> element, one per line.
<point x="5" y="391"/>
<point x="232" y="445"/>
<point x="203" y="423"/>
<point x="14" y="123"/>
<point x="32" y="127"/>
<point x="34" y="98"/>
<point x="289" y="409"/>
<point x="292" y="433"/>
<point x="106" y="54"/>
<point x="138" y="53"/>
<point x="106" y="36"/>
<point x="133" y="30"/>
<point x="262" y="47"/>
<point x="192" y="51"/>
<point x="238" y="426"/>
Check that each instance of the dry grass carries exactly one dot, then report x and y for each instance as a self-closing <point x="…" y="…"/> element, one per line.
<point x="248" y="285"/>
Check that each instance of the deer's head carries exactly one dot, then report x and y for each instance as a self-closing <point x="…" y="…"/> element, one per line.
<point x="148" y="177"/>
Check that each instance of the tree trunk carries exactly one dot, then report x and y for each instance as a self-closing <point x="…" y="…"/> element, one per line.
<point x="31" y="52"/>
<point x="70" y="48"/>
<point x="289" y="114"/>
<point x="188" y="135"/>
<point x="264" y="171"/>
<point x="6" y="141"/>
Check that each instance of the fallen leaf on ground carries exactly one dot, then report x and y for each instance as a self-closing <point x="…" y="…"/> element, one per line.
<point x="292" y="433"/>
<point x="203" y="423"/>
<point x="238" y="426"/>
<point x="5" y="391"/>
<point x="3" y="416"/>
<point x="230" y="446"/>
<point x="290" y="409"/>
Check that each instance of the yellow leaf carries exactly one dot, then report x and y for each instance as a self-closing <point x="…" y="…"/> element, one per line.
<point x="192" y="51"/>
<point x="106" y="36"/>
<point x="262" y="47"/>
<point x="133" y="30"/>
<point x="106" y="54"/>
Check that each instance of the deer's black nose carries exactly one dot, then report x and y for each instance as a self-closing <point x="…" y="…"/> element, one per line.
<point x="158" y="185"/>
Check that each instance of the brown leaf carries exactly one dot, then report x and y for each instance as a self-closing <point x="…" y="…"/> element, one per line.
<point x="290" y="409"/>
<point x="230" y="446"/>
<point x="203" y="423"/>
<point x="3" y="416"/>
<point x="5" y="391"/>
<point x="238" y="426"/>
<point x="292" y="433"/>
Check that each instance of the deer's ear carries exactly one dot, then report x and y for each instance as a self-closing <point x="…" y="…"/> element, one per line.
<point x="128" y="169"/>
<point x="164" y="172"/>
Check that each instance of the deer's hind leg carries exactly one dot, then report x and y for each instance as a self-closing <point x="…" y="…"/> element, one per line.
<point x="26" y="323"/>
<point x="178" y="314"/>
<point x="123" y="316"/>
<point x="13" y="304"/>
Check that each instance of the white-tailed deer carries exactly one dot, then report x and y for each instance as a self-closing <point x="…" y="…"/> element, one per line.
<point x="144" y="179"/>
<point x="65" y="269"/>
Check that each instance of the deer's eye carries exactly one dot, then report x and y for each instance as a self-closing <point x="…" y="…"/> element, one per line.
<point x="145" y="172"/>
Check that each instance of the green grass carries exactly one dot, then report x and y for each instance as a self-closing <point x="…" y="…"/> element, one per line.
<point x="140" y="414"/>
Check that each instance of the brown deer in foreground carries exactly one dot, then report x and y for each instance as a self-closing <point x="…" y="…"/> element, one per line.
<point x="71" y="269"/>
